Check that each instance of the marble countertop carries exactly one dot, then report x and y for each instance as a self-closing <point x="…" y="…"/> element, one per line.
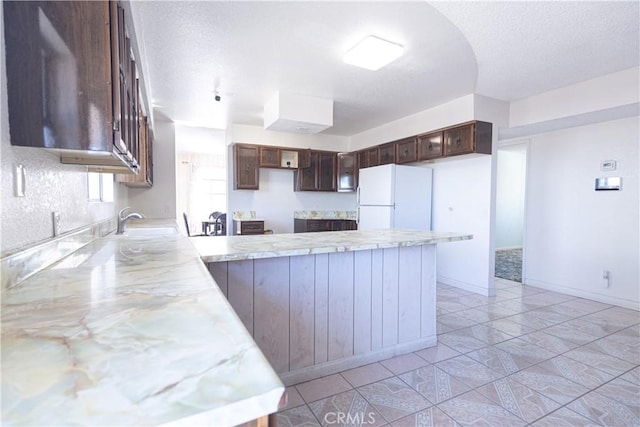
<point x="234" y="248"/>
<point x="130" y="330"/>
<point x="324" y="215"/>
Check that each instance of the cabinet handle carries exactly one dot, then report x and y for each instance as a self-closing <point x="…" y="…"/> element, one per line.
<point x="430" y="146"/>
<point x="458" y="142"/>
<point x="116" y="125"/>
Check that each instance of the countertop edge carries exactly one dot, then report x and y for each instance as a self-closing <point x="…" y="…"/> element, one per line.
<point x="312" y="249"/>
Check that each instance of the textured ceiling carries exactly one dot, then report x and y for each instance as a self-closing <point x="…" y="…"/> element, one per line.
<point x="249" y="50"/>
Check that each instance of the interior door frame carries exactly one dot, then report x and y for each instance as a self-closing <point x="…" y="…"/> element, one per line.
<point x="527" y="145"/>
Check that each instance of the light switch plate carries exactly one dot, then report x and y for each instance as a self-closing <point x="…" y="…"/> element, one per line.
<point x="608" y="165"/>
<point x="19" y="181"/>
<point x="57" y="227"/>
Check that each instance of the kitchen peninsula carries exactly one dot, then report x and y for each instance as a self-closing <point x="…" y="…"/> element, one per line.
<point x="319" y="303"/>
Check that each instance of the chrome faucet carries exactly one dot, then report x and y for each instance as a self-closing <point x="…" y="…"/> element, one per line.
<point x="122" y="219"/>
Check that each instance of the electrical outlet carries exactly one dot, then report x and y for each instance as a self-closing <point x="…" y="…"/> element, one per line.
<point x="57" y="226"/>
<point x="606" y="277"/>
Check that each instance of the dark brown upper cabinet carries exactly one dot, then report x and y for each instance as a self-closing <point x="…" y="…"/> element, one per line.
<point x="430" y="146"/>
<point x="387" y="153"/>
<point x="72" y="83"/>
<point x="373" y="158"/>
<point x="473" y="137"/>
<point x="304" y="158"/>
<point x="363" y="159"/>
<point x="347" y="172"/>
<point x="269" y="157"/>
<point x="327" y="171"/>
<point x="320" y="175"/>
<point x="246" y="176"/>
<point x="407" y="150"/>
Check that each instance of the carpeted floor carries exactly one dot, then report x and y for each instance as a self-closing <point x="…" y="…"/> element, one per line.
<point x="509" y="264"/>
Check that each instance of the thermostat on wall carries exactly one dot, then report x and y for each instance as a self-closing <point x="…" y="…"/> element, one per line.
<point x="608" y="165"/>
<point x="610" y="183"/>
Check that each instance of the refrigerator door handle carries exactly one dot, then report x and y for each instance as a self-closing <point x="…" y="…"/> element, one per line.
<point x="358" y="216"/>
<point x="358" y="195"/>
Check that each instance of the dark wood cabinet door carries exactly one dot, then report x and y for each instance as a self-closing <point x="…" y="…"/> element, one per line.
<point x="347" y="172"/>
<point x="304" y="158"/>
<point x="327" y="171"/>
<point x="343" y="225"/>
<point x="373" y="157"/>
<point x="314" y="225"/>
<point x="246" y="167"/>
<point x="459" y="140"/>
<point x="430" y="146"/>
<point x="269" y="157"/>
<point x="306" y="178"/>
<point x="387" y="153"/>
<point x="407" y="150"/>
<point x="363" y="159"/>
<point x="58" y="66"/>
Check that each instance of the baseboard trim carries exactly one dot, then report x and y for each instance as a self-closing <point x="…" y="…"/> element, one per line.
<point x="464" y="285"/>
<point x="621" y="302"/>
<point x="335" y="366"/>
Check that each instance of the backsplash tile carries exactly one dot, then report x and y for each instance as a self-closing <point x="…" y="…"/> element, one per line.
<point x="23" y="263"/>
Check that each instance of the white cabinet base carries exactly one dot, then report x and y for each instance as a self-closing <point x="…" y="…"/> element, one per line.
<point x="313" y="315"/>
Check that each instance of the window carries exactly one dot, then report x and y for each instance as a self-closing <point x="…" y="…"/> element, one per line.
<point x="100" y="187"/>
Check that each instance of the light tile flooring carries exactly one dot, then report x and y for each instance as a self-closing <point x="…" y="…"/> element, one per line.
<point x="524" y="357"/>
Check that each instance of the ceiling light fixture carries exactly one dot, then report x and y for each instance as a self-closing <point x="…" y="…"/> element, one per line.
<point x="372" y="53"/>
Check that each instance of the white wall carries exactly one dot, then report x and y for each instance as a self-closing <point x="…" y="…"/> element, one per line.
<point x="160" y="200"/>
<point x="50" y="186"/>
<point x="462" y="203"/>
<point x="574" y="232"/>
<point x="463" y="188"/>
<point x="457" y="111"/>
<point x="275" y="201"/>
<point x="602" y="93"/>
<point x="257" y="135"/>
<point x="510" y="192"/>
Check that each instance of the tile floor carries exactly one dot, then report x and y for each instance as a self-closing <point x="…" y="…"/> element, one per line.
<point x="524" y="357"/>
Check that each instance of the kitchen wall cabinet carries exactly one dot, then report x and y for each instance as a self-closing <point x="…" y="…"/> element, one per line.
<point x="320" y="175"/>
<point x="430" y="146"/>
<point x="347" y="172"/>
<point x="363" y="159"/>
<point x="387" y="153"/>
<point x="327" y="171"/>
<point x="407" y="150"/>
<point x="474" y="137"/>
<point x="269" y="157"/>
<point x="72" y="82"/>
<point x="144" y="178"/>
<point x="283" y="158"/>
<point x="246" y="173"/>
<point x="313" y="225"/>
<point x="373" y="157"/>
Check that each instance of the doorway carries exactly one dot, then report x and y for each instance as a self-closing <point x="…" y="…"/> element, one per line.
<point x="510" y="210"/>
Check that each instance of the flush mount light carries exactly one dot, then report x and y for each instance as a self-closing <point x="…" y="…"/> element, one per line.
<point x="372" y="53"/>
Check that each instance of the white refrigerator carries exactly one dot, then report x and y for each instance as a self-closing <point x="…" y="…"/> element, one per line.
<point x="394" y="196"/>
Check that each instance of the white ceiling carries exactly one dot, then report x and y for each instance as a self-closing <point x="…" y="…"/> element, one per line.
<point x="250" y="50"/>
